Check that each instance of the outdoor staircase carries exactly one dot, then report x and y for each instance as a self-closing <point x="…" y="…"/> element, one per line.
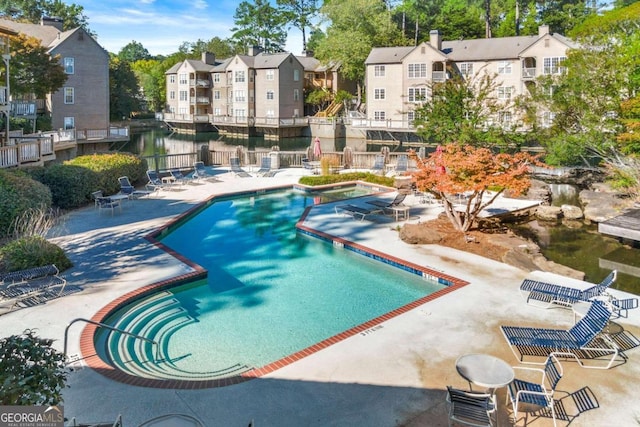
<point x="331" y="110"/>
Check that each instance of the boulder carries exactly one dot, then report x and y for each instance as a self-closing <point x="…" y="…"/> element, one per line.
<point x="419" y="234"/>
<point x="600" y="205"/>
<point x="571" y="212"/>
<point x="548" y="213"/>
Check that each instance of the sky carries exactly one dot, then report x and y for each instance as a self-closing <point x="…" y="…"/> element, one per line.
<point x="161" y="26"/>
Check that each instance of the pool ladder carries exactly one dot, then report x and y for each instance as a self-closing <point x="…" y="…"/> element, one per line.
<point x="104" y="325"/>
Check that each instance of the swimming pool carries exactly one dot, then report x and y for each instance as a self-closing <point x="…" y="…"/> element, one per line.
<point x="270" y="292"/>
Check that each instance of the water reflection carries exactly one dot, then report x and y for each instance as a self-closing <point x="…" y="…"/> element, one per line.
<point x="585" y="249"/>
<point x="159" y="141"/>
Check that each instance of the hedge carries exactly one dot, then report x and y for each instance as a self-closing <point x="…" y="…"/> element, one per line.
<point x="18" y="193"/>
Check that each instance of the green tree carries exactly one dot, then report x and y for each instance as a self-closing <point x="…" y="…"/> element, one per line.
<point x="220" y="47"/>
<point x="124" y="94"/>
<point x="133" y="51"/>
<point x="259" y="24"/>
<point x="33" y="70"/>
<point x="72" y="15"/>
<point x="459" y="20"/>
<point x="356" y="26"/>
<point x="299" y="13"/>
<point x="467" y="111"/>
<point x="151" y="79"/>
<point x="32" y="372"/>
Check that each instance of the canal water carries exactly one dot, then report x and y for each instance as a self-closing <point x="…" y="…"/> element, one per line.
<point x="578" y="246"/>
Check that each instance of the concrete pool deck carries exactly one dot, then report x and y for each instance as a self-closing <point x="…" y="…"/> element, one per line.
<point x="394" y="374"/>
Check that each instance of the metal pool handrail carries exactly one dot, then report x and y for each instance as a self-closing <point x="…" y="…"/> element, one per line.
<point x="104" y="325"/>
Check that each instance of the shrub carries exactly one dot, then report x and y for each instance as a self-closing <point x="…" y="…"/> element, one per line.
<point x="19" y="193"/>
<point x="32" y="251"/>
<point x="73" y="181"/>
<point x="343" y="177"/>
<point x="32" y="372"/>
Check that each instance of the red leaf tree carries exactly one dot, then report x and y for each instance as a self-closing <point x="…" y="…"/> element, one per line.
<point x="461" y="175"/>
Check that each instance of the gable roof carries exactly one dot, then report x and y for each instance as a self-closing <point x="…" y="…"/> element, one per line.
<point x="388" y="55"/>
<point x="487" y="49"/>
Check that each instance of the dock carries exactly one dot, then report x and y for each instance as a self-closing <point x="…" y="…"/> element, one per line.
<point x="626" y="226"/>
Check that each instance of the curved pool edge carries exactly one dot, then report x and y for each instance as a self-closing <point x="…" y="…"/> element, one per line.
<point x="93" y="361"/>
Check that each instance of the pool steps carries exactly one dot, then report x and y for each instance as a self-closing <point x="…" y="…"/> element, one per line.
<point x="157" y="320"/>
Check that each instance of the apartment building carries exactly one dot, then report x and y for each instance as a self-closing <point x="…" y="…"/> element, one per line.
<point x="83" y="102"/>
<point x="398" y="79"/>
<point x="245" y="94"/>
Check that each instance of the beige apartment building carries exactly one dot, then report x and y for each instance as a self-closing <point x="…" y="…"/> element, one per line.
<point x="398" y="79"/>
<point x="83" y="102"/>
<point x="258" y="93"/>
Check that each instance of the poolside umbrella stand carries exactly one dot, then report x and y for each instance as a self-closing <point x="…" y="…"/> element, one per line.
<point x="347" y="156"/>
<point x="317" y="150"/>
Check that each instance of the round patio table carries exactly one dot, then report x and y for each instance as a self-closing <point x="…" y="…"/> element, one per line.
<point x="485" y="370"/>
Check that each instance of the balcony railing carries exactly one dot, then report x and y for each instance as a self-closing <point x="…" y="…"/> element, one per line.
<point x="438" y="76"/>
<point x="200" y="100"/>
<point x="529" y="73"/>
<point x="199" y="83"/>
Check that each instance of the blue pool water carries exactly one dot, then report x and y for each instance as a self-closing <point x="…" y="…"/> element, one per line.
<point x="270" y="291"/>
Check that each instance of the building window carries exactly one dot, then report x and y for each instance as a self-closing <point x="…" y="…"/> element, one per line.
<point x="505" y="92"/>
<point x="270" y="75"/>
<point x="172" y="94"/>
<point x="172" y="78"/>
<point x="240" y="96"/>
<point x="504" y="67"/>
<point x="270" y="95"/>
<point x="183" y="111"/>
<point x="379" y="93"/>
<point x="379" y="115"/>
<point x="183" y="95"/>
<point x="417" y="71"/>
<point x="69" y="123"/>
<point x="553" y="65"/>
<point x="69" y="65"/>
<point x="239" y="77"/>
<point x="216" y="78"/>
<point x="379" y="71"/>
<point x="505" y="118"/>
<point x="466" y="69"/>
<point x="548" y="118"/>
<point x="216" y="94"/>
<point x="296" y="95"/>
<point x="240" y="113"/>
<point x="182" y="79"/>
<point x="417" y="94"/>
<point x="69" y="95"/>
<point x="271" y="113"/>
<point x="296" y="75"/>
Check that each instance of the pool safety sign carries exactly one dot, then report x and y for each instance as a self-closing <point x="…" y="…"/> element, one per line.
<point x="31" y="416"/>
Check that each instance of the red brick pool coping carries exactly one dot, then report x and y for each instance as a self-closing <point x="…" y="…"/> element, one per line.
<point x="93" y="361"/>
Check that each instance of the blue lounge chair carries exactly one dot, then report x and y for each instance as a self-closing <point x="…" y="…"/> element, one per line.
<point x="471" y="408"/>
<point x="378" y="165"/>
<point x="200" y="172"/>
<point x="545" y="295"/>
<point x="177" y="177"/>
<point x="397" y="201"/>
<point x="155" y="183"/>
<point x="402" y="164"/>
<point x="355" y="211"/>
<point x="306" y="164"/>
<point x="129" y="190"/>
<point x="237" y="170"/>
<point x="587" y="339"/>
<point x="265" y="168"/>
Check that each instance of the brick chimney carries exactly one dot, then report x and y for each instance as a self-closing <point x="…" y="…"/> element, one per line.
<point x="209" y="58"/>
<point x="543" y="30"/>
<point x="52" y="22"/>
<point x="254" y="50"/>
<point x="435" y="39"/>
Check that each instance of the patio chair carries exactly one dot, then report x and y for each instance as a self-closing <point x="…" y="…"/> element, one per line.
<point x="155" y="183"/>
<point x="108" y="203"/>
<point x="355" y="211"/>
<point x="545" y="295"/>
<point x="129" y="190"/>
<point x="95" y="195"/>
<point x="200" y="172"/>
<point x="378" y="165"/>
<point x="237" y="170"/>
<point x="587" y="339"/>
<point x="539" y="392"/>
<point x="471" y="408"/>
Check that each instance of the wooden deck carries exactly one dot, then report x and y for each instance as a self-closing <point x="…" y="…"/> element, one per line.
<point x="626" y="226"/>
